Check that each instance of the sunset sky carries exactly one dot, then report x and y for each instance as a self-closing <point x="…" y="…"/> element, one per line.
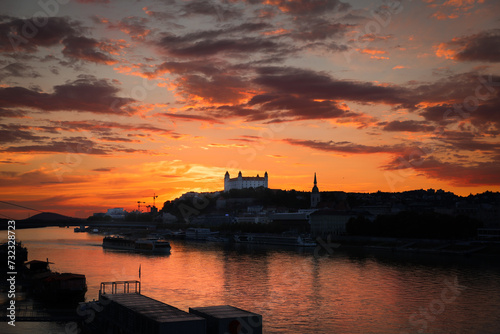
<point x="104" y="102"/>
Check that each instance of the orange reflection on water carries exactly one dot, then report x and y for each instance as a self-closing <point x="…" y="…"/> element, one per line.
<point x="295" y="291"/>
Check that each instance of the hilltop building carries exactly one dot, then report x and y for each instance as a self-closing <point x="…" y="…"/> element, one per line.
<point x="315" y="195"/>
<point x="242" y="182"/>
<point x="116" y="213"/>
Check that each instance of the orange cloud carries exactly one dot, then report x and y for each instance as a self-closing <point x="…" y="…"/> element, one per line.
<point x="453" y="9"/>
<point x="442" y="51"/>
<point x="276" y="32"/>
<point x="442" y="16"/>
<point x="374" y="53"/>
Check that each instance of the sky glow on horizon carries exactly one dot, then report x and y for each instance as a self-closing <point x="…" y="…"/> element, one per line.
<point x="104" y="103"/>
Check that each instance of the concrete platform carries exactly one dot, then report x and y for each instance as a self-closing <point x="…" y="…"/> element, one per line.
<point x="136" y="313"/>
<point x="226" y="319"/>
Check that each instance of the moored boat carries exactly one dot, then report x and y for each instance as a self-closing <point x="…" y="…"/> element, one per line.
<point x="115" y="242"/>
<point x="158" y="246"/>
<point x="55" y="287"/>
<point x="194" y="233"/>
<point x="272" y="239"/>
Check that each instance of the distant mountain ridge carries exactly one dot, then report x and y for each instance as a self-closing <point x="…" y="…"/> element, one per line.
<point x="50" y="216"/>
<point x="42" y="220"/>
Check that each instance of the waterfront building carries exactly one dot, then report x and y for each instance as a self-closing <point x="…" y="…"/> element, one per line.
<point x="245" y="182"/>
<point x="294" y="221"/>
<point x="116" y="213"/>
<point x="315" y="195"/>
<point x="329" y="222"/>
<point x="252" y="218"/>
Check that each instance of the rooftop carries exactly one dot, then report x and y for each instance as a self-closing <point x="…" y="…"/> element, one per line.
<point x="151" y="308"/>
<point x="223" y="311"/>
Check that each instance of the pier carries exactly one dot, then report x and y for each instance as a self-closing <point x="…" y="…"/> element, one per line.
<point x="27" y="313"/>
<point x="123" y="309"/>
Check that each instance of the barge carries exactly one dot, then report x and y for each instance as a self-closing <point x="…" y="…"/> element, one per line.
<point x="157" y="246"/>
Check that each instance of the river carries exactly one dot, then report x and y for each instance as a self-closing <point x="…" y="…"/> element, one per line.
<point x="295" y="290"/>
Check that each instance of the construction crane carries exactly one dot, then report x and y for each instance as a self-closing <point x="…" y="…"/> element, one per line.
<point x="139" y="205"/>
<point x="154" y="197"/>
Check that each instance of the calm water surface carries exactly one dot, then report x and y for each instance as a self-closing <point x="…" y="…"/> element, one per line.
<point x="294" y="290"/>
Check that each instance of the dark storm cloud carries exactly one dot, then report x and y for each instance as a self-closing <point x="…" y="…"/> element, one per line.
<point x="106" y="128"/>
<point x="74" y="145"/>
<point x="189" y="117"/>
<point x="345" y="146"/>
<point x="12" y="113"/>
<point x="280" y="108"/>
<point x="219" y="10"/>
<point x="319" y="30"/>
<point x="136" y="27"/>
<point x="438" y="113"/>
<point x="235" y="46"/>
<point x="484" y="46"/>
<point x="410" y="126"/>
<point x="67" y="145"/>
<point x="458" y="174"/>
<point x="465" y="143"/>
<point x="481" y="113"/>
<point x="309" y="7"/>
<point x="119" y="139"/>
<point x="487" y="115"/>
<point x="87" y="93"/>
<point x="215" y="89"/>
<point x="105" y="169"/>
<point x="18" y="70"/>
<point x="239" y="41"/>
<point x="15" y="133"/>
<point x="186" y="67"/>
<point x="242" y="111"/>
<point x="27" y="35"/>
<point x="455" y="93"/>
<point x="316" y="85"/>
<point x="86" y="49"/>
<point x="288" y="107"/>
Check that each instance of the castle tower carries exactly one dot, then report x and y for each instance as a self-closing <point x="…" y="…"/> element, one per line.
<point x="266" y="180"/>
<point x="226" y="182"/>
<point x="315" y="195"/>
<point x="239" y="184"/>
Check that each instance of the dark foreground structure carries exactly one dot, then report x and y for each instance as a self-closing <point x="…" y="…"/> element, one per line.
<point x="126" y="311"/>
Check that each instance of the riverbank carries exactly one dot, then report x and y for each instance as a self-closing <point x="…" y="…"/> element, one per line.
<point x="425" y="246"/>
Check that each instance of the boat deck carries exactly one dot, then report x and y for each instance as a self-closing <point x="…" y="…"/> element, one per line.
<point x="151" y="308"/>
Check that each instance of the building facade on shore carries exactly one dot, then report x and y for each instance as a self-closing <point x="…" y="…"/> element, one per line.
<point x="329" y="222"/>
<point x="245" y="182"/>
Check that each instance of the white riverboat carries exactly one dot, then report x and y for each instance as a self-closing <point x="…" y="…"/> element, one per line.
<point x="158" y="246"/>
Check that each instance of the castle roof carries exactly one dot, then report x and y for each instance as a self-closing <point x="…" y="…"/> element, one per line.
<point x="249" y="178"/>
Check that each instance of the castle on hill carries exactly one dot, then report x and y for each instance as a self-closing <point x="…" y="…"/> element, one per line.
<point x="244" y="182"/>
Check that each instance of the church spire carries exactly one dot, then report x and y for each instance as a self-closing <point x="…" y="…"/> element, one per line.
<point x="315" y="196"/>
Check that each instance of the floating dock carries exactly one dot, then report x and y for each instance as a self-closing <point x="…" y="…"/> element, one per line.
<point x="125" y="310"/>
<point x="227" y="319"/>
<point x="135" y="313"/>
